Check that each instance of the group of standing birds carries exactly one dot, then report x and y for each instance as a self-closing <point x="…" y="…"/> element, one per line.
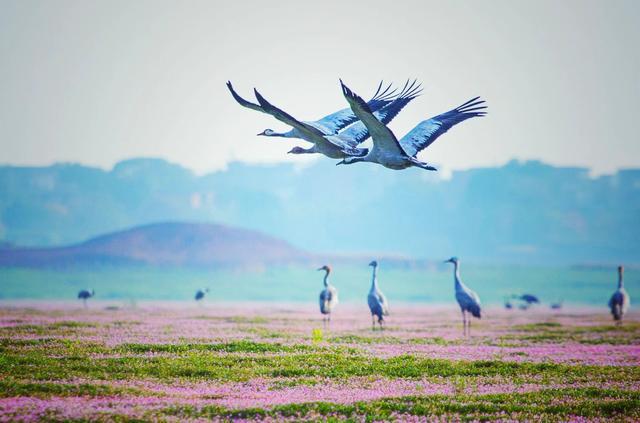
<point x="378" y="304"/>
<point x="340" y="134"/>
<point x="467" y="299"/>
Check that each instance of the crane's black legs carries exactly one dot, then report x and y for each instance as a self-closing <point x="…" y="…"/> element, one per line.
<point x="464" y="323"/>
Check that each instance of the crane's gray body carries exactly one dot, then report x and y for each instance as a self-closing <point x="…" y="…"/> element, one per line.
<point x="467" y="299"/>
<point x="328" y="298"/>
<point x="620" y="301"/>
<point x="378" y="304"/>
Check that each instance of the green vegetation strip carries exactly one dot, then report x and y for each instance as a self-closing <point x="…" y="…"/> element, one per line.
<point x="245" y="360"/>
<point x="553" y="332"/>
<point x="548" y="404"/>
<point x="231" y="347"/>
<point x="13" y="388"/>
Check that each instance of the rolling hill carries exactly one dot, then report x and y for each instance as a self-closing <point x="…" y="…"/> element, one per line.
<point x="170" y="244"/>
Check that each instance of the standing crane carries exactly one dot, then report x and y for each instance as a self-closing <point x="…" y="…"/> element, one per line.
<point x="200" y="294"/>
<point x="507" y="303"/>
<point x="84" y="295"/>
<point x="328" y="297"/>
<point x="378" y="303"/>
<point x="529" y="299"/>
<point x="467" y="299"/>
<point x="557" y="305"/>
<point x="619" y="302"/>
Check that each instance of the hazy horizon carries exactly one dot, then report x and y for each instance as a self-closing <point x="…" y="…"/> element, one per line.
<point x="528" y="212"/>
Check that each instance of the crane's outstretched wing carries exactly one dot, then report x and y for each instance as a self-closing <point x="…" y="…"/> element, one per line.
<point x="382" y="136"/>
<point x="285" y="117"/>
<point x="242" y="101"/>
<point x="427" y="131"/>
<point x="358" y="133"/>
<point x="345" y="117"/>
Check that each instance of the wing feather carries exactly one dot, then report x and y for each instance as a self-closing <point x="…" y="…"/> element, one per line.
<point x="242" y="101"/>
<point x="426" y="132"/>
<point x="383" y="138"/>
<point x="358" y="133"/>
<point x="339" y="120"/>
<point x="285" y="117"/>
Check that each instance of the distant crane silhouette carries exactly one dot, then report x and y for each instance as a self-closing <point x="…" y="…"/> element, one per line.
<point x="557" y="305"/>
<point x="85" y="294"/>
<point x="507" y="304"/>
<point x="200" y="294"/>
<point x="619" y="302"/>
<point x="328" y="297"/>
<point x="529" y="299"/>
<point x="467" y="299"/>
<point x="378" y="303"/>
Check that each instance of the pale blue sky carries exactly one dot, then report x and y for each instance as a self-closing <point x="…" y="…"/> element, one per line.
<point x="99" y="81"/>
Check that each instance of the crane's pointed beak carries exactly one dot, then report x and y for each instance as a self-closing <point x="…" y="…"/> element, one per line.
<point x="341" y="162"/>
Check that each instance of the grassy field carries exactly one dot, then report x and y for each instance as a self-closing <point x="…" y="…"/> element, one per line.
<point x="277" y="362"/>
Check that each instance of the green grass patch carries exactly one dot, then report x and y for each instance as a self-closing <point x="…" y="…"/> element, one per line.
<point x="205" y="361"/>
<point x="549" y="405"/>
<point x="251" y="320"/>
<point x="13" y="388"/>
<point x="552" y="332"/>
<point x="229" y="347"/>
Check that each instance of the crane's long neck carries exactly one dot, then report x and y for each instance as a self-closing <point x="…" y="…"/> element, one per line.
<point x="288" y="134"/>
<point x="358" y="159"/>
<point x="326" y="276"/>
<point x="620" y="279"/>
<point x="374" y="278"/>
<point x="305" y="151"/>
<point x="456" y="274"/>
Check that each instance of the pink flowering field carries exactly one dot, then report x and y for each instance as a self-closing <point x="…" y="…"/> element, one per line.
<point x="268" y="362"/>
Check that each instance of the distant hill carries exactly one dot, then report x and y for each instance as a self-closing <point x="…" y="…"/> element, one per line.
<point x="169" y="244"/>
<point x="522" y="212"/>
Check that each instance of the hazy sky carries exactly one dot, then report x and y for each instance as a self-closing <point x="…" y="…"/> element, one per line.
<point x="101" y="81"/>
